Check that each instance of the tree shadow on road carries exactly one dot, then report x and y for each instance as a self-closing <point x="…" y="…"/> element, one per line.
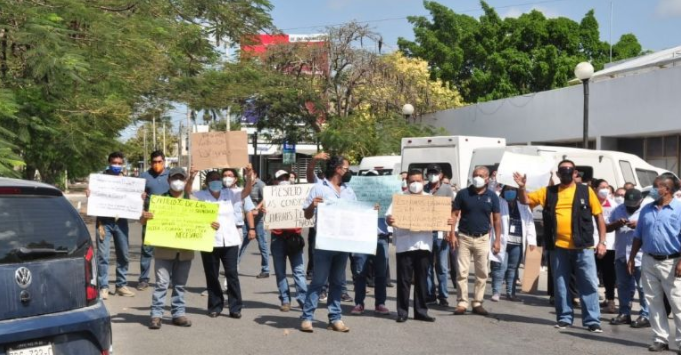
<point x="520" y="319"/>
<point x="285" y="322"/>
<point x="125" y="318"/>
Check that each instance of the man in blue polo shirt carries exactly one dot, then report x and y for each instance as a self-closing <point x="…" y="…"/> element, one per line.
<point x="477" y="207"/>
<point x="658" y="235"/>
<point x="156" y="184"/>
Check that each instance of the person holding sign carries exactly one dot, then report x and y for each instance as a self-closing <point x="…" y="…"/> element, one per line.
<point x="328" y="265"/>
<point x="171" y="265"/>
<point x="288" y="243"/>
<point x="116" y="229"/>
<point x="413" y="256"/>
<point x="225" y="245"/>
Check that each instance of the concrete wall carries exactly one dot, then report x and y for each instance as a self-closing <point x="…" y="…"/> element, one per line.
<point x="646" y="104"/>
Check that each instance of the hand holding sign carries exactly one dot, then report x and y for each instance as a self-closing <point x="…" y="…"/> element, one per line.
<point x="535" y="170"/>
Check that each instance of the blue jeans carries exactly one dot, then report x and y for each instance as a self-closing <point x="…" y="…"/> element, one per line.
<point x="147" y="253"/>
<point x="262" y="243"/>
<point x="279" y="255"/>
<point x="118" y="232"/>
<point x="361" y="268"/>
<point x="583" y="261"/>
<point x="167" y="271"/>
<point x="627" y="286"/>
<point x="439" y="262"/>
<point x="506" y="271"/>
<point x="328" y="265"/>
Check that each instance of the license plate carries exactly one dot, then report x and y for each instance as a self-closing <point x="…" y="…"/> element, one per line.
<point x="36" y="351"/>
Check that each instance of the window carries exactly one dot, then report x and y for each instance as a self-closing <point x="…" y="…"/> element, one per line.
<point x="671" y="146"/>
<point x="627" y="172"/>
<point x="645" y="177"/>
<point x="446" y="167"/>
<point x="654" y="147"/>
<point x="586" y="172"/>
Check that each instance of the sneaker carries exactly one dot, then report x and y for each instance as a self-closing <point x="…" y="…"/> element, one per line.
<point x="306" y="326"/>
<point x="431" y="301"/>
<point x="562" y="325"/>
<point x="204" y="293"/>
<point x="124" y="291"/>
<point x="155" y="323"/>
<point x="346" y="298"/>
<point x="640" y="322"/>
<point x="595" y="328"/>
<point x="357" y="310"/>
<point x="443" y="303"/>
<point x="576" y="303"/>
<point x="621" y="320"/>
<point x="323" y="297"/>
<point x="285" y="307"/>
<point x="382" y="310"/>
<point x="658" y="347"/>
<point x="390" y="285"/>
<point x="263" y="276"/>
<point x="338" y="326"/>
<point x="495" y="297"/>
<point x="104" y="294"/>
<point x="142" y="285"/>
<point x="182" y="321"/>
<point x="510" y="297"/>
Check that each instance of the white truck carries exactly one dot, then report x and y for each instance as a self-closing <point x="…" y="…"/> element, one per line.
<point x="383" y="165"/>
<point x="452" y="153"/>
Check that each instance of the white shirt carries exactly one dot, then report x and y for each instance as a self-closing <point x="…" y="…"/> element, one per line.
<point x="406" y="240"/>
<point x="608" y="206"/>
<point x="227" y="235"/>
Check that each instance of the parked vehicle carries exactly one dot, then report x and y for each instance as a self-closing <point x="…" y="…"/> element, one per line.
<point x="452" y="153"/>
<point x="49" y="300"/>
<point x="383" y="165"/>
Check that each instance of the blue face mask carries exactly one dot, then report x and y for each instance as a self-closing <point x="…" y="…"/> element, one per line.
<point x="510" y="195"/>
<point x="654" y="194"/>
<point x="115" y="169"/>
<point x="215" y="186"/>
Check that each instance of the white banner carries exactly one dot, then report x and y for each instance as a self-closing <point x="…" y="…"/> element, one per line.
<point x="115" y="196"/>
<point x="346" y="226"/>
<point x="537" y="168"/>
<point x="284" y="206"/>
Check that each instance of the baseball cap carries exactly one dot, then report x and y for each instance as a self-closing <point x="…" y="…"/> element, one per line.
<point x="632" y="198"/>
<point x="280" y="173"/>
<point x="177" y="171"/>
<point x="434" y="168"/>
<point x="371" y="173"/>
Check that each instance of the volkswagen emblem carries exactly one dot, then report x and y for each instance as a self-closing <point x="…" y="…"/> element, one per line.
<point x="23" y="277"/>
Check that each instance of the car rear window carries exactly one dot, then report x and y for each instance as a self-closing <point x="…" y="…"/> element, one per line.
<point x="38" y="222"/>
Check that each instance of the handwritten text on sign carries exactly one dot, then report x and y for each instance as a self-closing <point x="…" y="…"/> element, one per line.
<point x="284" y="206"/>
<point x="181" y="224"/>
<point x="422" y="213"/>
<point x="115" y="196"/>
<point x="219" y="149"/>
<point x="345" y="226"/>
<point x="376" y="189"/>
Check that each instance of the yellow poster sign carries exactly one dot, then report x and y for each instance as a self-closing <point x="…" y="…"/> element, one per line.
<point x="181" y="224"/>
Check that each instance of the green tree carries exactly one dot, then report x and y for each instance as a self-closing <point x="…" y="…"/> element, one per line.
<point x="491" y="58"/>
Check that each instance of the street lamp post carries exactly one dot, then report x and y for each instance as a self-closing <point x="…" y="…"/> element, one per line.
<point x="584" y="71"/>
<point x="407" y="111"/>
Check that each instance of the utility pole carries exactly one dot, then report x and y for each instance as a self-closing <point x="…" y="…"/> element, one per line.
<point x="144" y="159"/>
<point x="179" y="146"/>
<point x="164" y="138"/>
<point x="229" y="118"/>
<point x="153" y="124"/>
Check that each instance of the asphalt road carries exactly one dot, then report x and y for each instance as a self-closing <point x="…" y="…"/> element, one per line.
<point x="511" y="328"/>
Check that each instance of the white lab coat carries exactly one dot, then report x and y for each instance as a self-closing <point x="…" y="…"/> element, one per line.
<point x="529" y="232"/>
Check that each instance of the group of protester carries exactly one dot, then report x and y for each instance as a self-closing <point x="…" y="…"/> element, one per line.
<point x="632" y="242"/>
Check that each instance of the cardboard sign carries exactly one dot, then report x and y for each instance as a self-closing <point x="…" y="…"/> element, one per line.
<point x="376" y="189"/>
<point x="537" y="168"/>
<point x="422" y="213"/>
<point x="115" y="196"/>
<point x="347" y="226"/>
<point x="219" y="149"/>
<point x="181" y="224"/>
<point x="532" y="270"/>
<point x="284" y="206"/>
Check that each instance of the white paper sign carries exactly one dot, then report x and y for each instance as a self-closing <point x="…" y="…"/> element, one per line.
<point x="537" y="168"/>
<point x="347" y="226"/>
<point x="115" y="196"/>
<point x="284" y="206"/>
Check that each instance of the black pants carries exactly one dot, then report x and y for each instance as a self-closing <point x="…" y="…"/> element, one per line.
<point x="229" y="257"/>
<point x="412" y="264"/>
<point x="606" y="267"/>
<point x="311" y="237"/>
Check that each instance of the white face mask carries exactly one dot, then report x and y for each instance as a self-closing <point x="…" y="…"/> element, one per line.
<point x="416" y="187"/>
<point x="603" y="193"/>
<point x="478" y="182"/>
<point x="177" y="185"/>
<point x="228" y="181"/>
<point x="619" y="200"/>
<point x="404" y="184"/>
<point x="284" y="183"/>
<point x="434" y="178"/>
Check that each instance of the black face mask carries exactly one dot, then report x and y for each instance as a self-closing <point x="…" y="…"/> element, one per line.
<point x="346" y="178"/>
<point x="632" y="210"/>
<point x="565" y="174"/>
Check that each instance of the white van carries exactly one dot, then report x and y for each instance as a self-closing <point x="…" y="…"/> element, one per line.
<point x="615" y="167"/>
<point x="384" y="165"/>
<point x="452" y="153"/>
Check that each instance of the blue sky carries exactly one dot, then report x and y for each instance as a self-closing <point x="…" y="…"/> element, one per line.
<point x="656" y="23"/>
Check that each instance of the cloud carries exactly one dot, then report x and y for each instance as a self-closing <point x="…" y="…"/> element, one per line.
<point x="668" y="8"/>
<point x="515" y="12"/>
